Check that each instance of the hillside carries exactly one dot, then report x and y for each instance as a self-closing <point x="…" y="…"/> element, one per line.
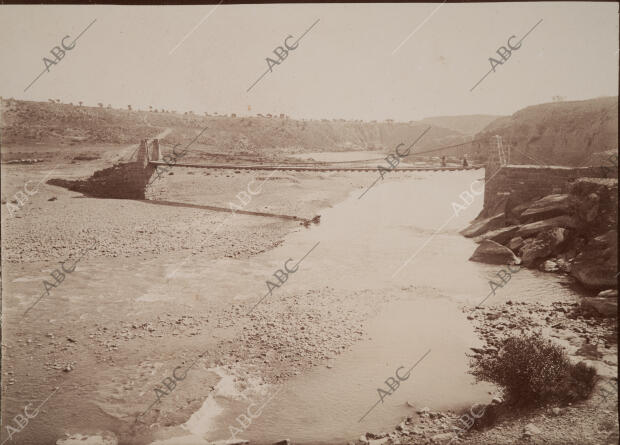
<point x="469" y="125"/>
<point x="24" y="122"/>
<point x="559" y="133"/>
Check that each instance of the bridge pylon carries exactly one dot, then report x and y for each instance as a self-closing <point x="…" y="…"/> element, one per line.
<point x="502" y="152"/>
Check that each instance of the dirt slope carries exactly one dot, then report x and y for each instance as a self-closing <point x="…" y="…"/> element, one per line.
<point x="559" y="133"/>
<point x="469" y="125"/>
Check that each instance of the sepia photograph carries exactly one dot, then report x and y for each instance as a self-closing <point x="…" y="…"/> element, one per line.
<point x="312" y="223"/>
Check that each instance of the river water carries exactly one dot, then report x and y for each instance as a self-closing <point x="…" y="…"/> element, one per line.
<point x="401" y="237"/>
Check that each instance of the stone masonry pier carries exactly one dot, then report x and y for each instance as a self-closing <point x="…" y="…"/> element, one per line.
<point x="125" y="180"/>
<point x="506" y="183"/>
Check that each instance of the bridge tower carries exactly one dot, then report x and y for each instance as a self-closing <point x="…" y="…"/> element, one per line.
<point x="155" y="152"/>
<point x="498" y="157"/>
<point x="503" y="153"/>
<point x="142" y="154"/>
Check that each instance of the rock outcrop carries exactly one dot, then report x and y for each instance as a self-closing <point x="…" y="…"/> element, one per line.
<point x="595" y="266"/>
<point x="501" y="235"/>
<point x="542" y="246"/>
<point x="594" y="205"/>
<point x="606" y="307"/>
<point x="573" y="233"/>
<point x="548" y="207"/>
<point x="534" y="228"/>
<point x="484" y="225"/>
<point x="494" y="253"/>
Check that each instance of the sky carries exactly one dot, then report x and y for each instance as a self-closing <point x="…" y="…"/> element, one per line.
<point x="359" y="61"/>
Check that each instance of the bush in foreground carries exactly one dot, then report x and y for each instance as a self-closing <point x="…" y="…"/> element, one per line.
<point x="534" y="371"/>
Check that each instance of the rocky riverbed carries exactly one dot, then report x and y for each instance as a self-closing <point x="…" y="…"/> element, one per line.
<point x="118" y="325"/>
<point x="57" y="223"/>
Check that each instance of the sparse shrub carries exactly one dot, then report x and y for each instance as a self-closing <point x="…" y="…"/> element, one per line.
<point x="532" y="371"/>
<point x="579" y="383"/>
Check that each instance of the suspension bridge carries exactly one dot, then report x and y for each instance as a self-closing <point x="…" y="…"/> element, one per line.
<point x="155" y="158"/>
<point x="130" y="178"/>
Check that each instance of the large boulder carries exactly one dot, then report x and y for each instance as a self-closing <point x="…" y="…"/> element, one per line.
<point x="501" y="235"/>
<point x="515" y="243"/>
<point x="515" y="205"/>
<point x="557" y="237"/>
<point x="588" y="207"/>
<point x="531" y="229"/>
<point x="548" y="207"/>
<point x="494" y="253"/>
<point x="607" y="307"/>
<point x="594" y="205"/>
<point x="481" y="226"/>
<point x="549" y="266"/>
<point x="546" y="243"/>
<point x="533" y="250"/>
<point x="596" y="266"/>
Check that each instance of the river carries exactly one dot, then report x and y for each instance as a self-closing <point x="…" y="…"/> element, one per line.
<point x="402" y="238"/>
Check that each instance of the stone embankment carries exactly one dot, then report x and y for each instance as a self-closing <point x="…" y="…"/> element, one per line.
<point x="123" y="181"/>
<point x="573" y="233"/>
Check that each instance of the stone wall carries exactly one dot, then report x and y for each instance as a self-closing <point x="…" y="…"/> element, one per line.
<point x="124" y="181"/>
<point x="519" y="183"/>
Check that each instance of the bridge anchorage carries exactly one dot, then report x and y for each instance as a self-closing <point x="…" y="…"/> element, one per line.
<point x="125" y="180"/>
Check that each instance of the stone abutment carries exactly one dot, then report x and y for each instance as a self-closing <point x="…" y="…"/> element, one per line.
<point x="124" y="180"/>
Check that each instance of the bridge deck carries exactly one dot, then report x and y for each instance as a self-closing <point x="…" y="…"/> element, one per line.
<point x="311" y="169"/>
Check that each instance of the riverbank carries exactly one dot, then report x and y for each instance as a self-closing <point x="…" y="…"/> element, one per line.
<point x="592" y="421"/>
<point x="56" y="223"/>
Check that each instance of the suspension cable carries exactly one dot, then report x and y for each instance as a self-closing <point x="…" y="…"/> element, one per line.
<point x="348" y="162"/>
